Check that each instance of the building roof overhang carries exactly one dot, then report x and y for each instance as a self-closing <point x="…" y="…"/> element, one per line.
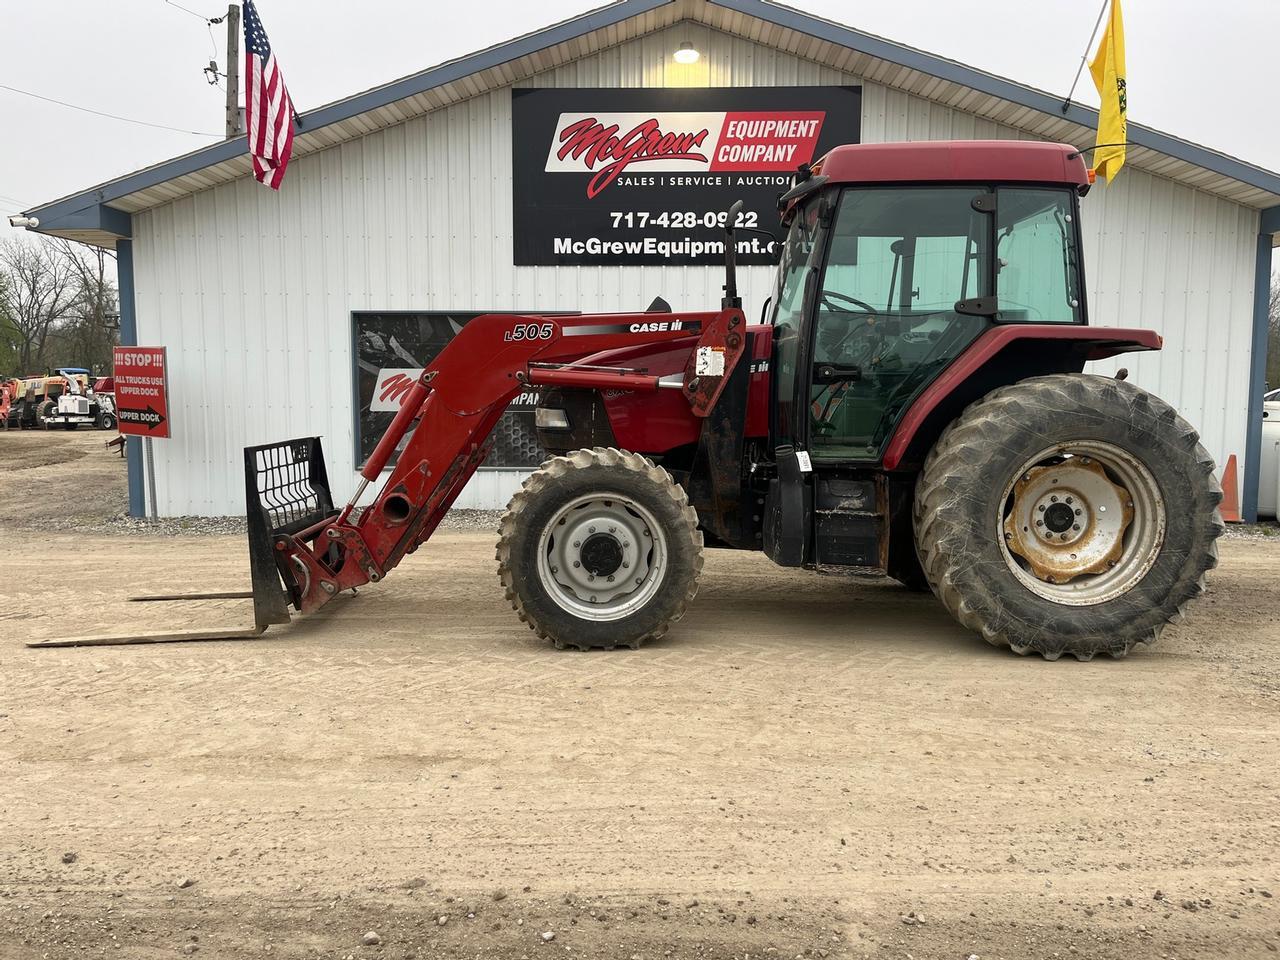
<point x="100" y="215"/>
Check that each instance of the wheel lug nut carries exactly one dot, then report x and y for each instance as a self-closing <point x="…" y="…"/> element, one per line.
<point x="577" y="543"/>
<point x="576" y="564"/>
<point x="562" y="521"/>
<point x="625" y="544"/>
<point x="1053" y="499"/>
<point x="1069" y="500"/>
<point x="639" y="580"/>
<point x="1041" y="508"/>
<point x="593" y="599"/>
<point x="647" y="533"/>
<point x="1078" y="511"/>
<point x="611" y="578"/>
<point x="613" y="529"/>
<point x="1075" y="526"/>
<point x="626" y="563"/>
<point x="1039" y="523"/>
<point x="555" y="569"/>
<point x="591" y="529"/>
<point x="591" y="578"/>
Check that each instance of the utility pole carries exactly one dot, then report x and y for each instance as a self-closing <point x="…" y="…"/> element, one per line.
<point x="234" y="126"/>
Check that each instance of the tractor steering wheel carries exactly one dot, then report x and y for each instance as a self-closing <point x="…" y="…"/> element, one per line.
<point x="825" y="296"/>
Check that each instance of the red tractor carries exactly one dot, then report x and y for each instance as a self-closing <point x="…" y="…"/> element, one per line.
<point x="912" y="401"/>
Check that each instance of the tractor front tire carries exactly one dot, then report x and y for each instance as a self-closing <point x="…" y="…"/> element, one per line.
<point x="599" y="549"/>
<point x="1068" y="514"/>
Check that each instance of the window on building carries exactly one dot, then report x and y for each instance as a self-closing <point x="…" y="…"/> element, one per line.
<point x="391" y="349"/>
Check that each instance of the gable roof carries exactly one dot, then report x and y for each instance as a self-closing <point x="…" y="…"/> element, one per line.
<point x="100" y="214"/>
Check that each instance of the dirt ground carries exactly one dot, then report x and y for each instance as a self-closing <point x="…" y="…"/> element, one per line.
<point x="806" y="767"/>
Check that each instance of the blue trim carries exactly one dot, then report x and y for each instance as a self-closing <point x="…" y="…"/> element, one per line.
<point x="129" y="338"/>
<point x="98" y="217"/>
<point x="626" y="9"/>
<point x="1258" y="367"/>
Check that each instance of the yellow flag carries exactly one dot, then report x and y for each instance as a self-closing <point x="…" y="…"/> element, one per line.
<point x="1107" y="69"/>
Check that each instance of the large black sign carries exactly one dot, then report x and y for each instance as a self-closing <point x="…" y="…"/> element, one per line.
<point x="391" y="350"/>
<point x="639" y="176"/>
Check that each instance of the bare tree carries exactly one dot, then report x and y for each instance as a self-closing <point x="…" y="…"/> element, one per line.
<point x="37" y="294"/>
<point x="9" y="338"/>
<point x="86" y="338"/>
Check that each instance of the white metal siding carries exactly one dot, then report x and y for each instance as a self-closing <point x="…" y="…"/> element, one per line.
<point x="253" y="291"/>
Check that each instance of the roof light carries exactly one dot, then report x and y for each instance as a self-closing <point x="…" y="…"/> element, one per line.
<point x="686" y="53"/>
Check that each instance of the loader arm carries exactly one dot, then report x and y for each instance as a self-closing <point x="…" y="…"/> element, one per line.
<point x="443" y="432"/>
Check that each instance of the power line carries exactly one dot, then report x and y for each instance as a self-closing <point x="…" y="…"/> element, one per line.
<point x="198" y="16"/>
<point x="110" y="116"/>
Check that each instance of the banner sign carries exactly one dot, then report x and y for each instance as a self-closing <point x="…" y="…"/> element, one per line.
<point x="646" y="176"/>
<point x="142" y="391"/>
<point x="391" y="351"/>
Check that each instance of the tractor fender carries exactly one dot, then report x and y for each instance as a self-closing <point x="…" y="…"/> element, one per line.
<point x="1002" y="355"/>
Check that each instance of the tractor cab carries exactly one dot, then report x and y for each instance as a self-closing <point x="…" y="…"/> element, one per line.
<point x="885" y="279"/>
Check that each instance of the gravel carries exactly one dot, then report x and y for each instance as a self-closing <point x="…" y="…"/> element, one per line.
<point x="123" y="524"/>
<point x="1266" y="530"/>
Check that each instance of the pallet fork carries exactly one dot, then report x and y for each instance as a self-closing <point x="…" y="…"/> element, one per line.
<point x="286" y="491"/>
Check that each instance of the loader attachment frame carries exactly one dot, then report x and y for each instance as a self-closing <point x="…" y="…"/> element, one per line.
<point x="304" y="551"/>
<point x="442" y="433"/>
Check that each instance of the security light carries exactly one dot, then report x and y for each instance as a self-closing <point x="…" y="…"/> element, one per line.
<point x="686" y="53"/>
<point x="31" y="222"/>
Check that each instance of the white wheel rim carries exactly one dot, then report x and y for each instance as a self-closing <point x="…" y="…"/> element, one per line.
<point x="1081" y="523"/>
<point x="602" y="557"/>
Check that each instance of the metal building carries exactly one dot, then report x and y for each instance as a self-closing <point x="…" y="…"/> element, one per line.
<point x="401" y="199"/>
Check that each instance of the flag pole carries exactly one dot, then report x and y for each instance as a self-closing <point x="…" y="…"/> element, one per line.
<point x="1066" y="104"/>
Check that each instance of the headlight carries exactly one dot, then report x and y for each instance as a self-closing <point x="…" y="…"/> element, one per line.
<point x="549" y="418"/>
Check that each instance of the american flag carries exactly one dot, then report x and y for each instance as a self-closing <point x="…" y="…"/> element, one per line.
<point x="267" y="106"/>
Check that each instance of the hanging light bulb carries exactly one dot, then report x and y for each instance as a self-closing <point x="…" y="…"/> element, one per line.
<point x="686" y="53"/>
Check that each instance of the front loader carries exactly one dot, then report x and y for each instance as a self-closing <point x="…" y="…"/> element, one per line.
<point x="911" y="402"/>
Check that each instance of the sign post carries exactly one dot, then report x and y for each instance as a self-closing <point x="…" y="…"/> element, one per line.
<point x="142" y="401"/>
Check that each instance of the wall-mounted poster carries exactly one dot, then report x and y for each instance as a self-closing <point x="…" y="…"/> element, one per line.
<point x="391" y="350"/>
<point x="646" y="176"/>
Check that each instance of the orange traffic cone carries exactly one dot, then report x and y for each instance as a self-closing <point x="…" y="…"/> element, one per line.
<point x="1230" y="506"/>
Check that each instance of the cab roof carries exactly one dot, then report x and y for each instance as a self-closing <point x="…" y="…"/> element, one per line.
<point x="940" y="161"/>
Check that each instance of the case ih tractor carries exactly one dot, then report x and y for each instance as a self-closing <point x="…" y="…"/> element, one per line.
<point x="912" y="401"/>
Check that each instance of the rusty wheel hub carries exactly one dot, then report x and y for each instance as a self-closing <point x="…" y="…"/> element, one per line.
<point x="1082" y="523"/>
<point x="1068" y="520"/>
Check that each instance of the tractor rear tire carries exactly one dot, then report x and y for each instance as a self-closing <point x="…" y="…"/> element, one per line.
<point x="1005" y="543"/>
<point x="600" y="549"/>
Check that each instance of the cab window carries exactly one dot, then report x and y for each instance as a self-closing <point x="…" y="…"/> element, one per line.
<point x="801" y="253"/>
<point x="899" y="262"/>
<point x="1037" y="277"/>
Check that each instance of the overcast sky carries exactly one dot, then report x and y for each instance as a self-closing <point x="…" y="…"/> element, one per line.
<point x="1196" y="70"/>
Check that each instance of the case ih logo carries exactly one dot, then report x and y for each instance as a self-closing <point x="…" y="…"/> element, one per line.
<point x="607" y="145"/>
